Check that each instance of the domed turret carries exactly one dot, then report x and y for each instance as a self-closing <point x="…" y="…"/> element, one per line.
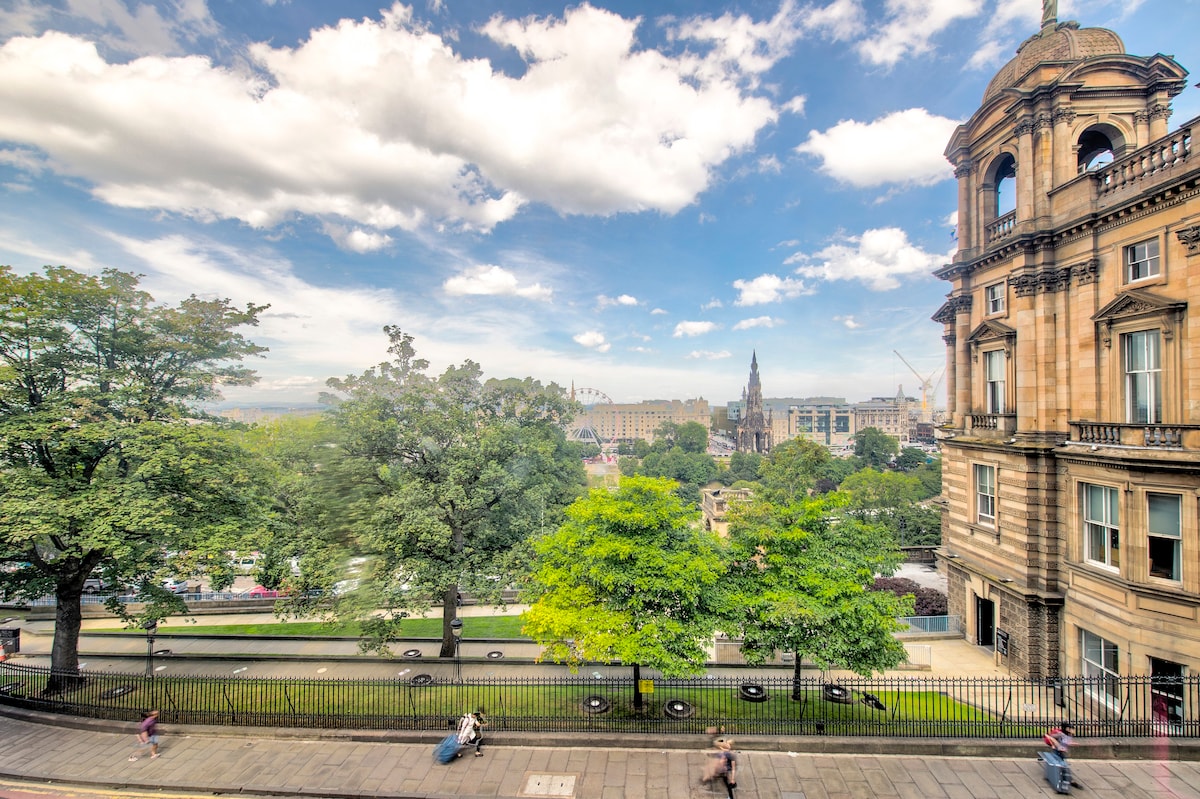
<point x="1062" y="44"/>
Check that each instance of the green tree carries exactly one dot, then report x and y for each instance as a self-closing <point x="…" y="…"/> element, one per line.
<point x="869" y="489"/>
<point x="106" y="463"/>
<point x="629" y="576"/>
<point x="742" y="466"/>
<point x="801" y="582"/>
<point x="930" y="475"/>
<point x="692" y="438"/>
<point x="875" y="447"/>
<point x="910" y="458"/>
<point x="791" y="470"/>
<point x="461" y="474"/>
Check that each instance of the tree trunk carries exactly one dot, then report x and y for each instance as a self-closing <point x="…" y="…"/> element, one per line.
<point x="64" y="656"/>
<point x="449" y="614"/>
<point x="797" y="681"/>
<point x="637" y="687"/>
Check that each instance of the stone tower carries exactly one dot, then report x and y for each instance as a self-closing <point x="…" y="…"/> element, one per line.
<point x="754" y="428"/>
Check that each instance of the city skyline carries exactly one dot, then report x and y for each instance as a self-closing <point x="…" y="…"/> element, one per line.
<point x="599" y="194"/>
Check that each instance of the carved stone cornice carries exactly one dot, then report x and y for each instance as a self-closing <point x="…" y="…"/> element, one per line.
<point x="1160" y="111"/>
<point x="964" y="169"/>
<point x="1024" y="127"/>
<point x="1141" y="117"/>
<point x="1049" y="280"/>
<point x="951" y="339"/>
<point x="951" y="308"/>
<point x="1086" y="272"/>
<point x="1064" y="115"/>
<point x="1043" y="121"/>
<point x="1190" y="238"/>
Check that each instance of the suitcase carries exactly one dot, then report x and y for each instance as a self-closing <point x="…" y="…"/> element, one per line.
<point x="446" y="749"/>
<point x="1058" y="772"/>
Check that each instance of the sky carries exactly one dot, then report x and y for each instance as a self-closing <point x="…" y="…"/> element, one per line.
<point x="628" y="197"/>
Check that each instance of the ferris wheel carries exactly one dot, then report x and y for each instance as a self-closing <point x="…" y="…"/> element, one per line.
<point x="584" y="427"/>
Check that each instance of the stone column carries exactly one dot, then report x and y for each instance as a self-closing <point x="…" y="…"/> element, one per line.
<point x="1066" y="160"/>
<point x="1027" y="177"/>
<point x="966" y="216"/>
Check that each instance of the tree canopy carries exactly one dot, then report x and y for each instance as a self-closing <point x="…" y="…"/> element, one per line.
<point x="875" y="447"/>
<point x="106" y="462"/>
<point x="459" y="473"/>
<point x="628" y="576"/>
<point x="801" y="583"/>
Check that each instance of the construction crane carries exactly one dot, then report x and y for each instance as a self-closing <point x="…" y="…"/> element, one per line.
<point x="927" y="388"/>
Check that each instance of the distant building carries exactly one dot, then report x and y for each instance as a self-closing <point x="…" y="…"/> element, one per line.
<point x="630" y="421"/>
<point x="714" y="504"/>
<point x="754" y="432"/>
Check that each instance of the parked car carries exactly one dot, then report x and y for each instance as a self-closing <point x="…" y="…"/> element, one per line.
<point x="96" y="585"/>
<point x="261" y="592"/>
<point x="176" y="585"/>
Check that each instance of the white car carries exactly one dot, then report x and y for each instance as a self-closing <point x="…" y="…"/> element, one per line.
<point x="176" y="585"/>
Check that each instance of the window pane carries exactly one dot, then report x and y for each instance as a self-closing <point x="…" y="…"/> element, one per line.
<point x="1164" y="513"/>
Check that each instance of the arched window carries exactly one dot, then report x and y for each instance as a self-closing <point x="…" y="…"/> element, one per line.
<point x="1006" y="185"/>
<point x="1098" y="146"/>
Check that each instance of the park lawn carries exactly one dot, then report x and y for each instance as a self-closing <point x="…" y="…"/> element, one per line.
<point x="474" y="627"/>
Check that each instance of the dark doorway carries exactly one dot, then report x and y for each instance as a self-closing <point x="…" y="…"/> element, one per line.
<point x="985" y="622"/>
<point x="1166" y="695"/>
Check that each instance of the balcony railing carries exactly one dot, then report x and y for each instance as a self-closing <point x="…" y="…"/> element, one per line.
<point x="1151" y="436"/>
<point x="1000" y="228"/>
<point x="1147" y="162"/>
<point x="998" y="422"/>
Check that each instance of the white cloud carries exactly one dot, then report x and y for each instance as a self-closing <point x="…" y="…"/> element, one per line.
<point x="357" y="240"/>
<point x="758" y="321"/>
<point x="841" y="20"/>
<point x="593" y="340"/>
<point x="378" y="124"/>
<point x="910" y="26"/>
<point x="794" y="105"/>
<point x="604" y="301"/>
<point x="711" y="304"/>
<point x="493" y="280"/>
<point x="709" y="355"/>
<point x="848" y="322"/>
<point x="989" y="55"/>
<point x="878" y="259"/>
<point x="768" y="288"/>
<point x="903" y="147"/>
<point x="693" y="329"/>
<point x="659" y="312"/>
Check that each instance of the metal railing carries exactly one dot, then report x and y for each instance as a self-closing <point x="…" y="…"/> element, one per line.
<point x="905" y="707"/>
<point x="932" y="624"/>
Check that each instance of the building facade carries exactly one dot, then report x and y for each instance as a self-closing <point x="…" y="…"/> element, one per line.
<point x="1071" y="444"/>
<point x="629" y="421"/>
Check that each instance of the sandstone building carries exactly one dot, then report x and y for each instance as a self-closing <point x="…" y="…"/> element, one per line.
<point x="1071" y="449"/>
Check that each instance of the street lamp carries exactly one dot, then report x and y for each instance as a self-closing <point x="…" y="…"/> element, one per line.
<point x="151" y="627"/>
<point x="456" y="631"/>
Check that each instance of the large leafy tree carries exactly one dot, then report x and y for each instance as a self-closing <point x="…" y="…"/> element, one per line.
<point x="800" y="581"/>
<point x="629" y="576"/>
<point x="105" y="461"/>
<point x="875" y="447"/>
<point x="458" y="474"/>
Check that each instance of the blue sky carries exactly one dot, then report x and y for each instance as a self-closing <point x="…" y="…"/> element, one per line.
<point x="632" y="197"/>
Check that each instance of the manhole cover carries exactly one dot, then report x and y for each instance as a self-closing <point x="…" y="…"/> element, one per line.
<point x="412" y="653"/>
<point x="421" y="679"/>
<point x="562" y="785"/>
<point x="495" y="654"/>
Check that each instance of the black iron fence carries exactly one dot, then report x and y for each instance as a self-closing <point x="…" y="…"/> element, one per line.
<point x="905" y="707"/>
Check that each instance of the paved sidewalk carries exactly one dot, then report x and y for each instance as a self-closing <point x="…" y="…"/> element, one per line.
<point x="338" y="767"/>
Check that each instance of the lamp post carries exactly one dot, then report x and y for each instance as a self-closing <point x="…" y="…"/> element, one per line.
<point x="456" y="631"/>
<point x="151" y="627"/>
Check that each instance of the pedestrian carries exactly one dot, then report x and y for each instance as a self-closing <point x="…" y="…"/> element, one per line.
<point x="1061" y="738"/>
<point x="147" y="734"/>
<point x="722" y="764"/>
<point x="470" y="731"/>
